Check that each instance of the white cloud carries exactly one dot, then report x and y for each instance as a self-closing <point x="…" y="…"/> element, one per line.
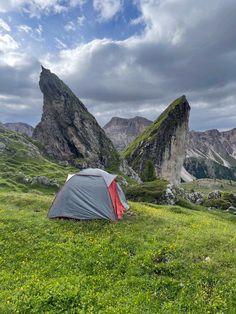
<point x="4" y="26"/>
<point x="107" y="9"/>
<point x="70" y="26"/>
<point x="60" y="44"/>
<point x="33" y="7"/>
<point x="36" y="8"/>
<point x="24" y="28"/>
<point x="7" y="43"/>
<point x="74" y="3"/>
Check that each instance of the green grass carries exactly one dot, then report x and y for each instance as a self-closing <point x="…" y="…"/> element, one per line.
<point x="161" y="259"/>
<point x="206" y="186"/>
<point x="23" y="156"/>
<point x="148" y="133"/>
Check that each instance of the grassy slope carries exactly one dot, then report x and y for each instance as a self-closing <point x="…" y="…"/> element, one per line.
<point x="22" y="156"/>
<point x="152" y="262"/>
<point x="207" y="185"/>
<point x="149" y="131"/>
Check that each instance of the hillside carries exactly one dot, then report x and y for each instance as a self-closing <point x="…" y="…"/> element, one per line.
<point x="163" y="143"/>
<point x="159" y="260"/>
<point x="24" y="167"/>
<point x="123" y="131"/>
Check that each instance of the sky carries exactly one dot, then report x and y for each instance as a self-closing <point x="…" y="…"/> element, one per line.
<point x="121" y="57"/>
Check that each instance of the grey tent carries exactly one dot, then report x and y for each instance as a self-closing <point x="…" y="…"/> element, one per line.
<point x="90" y="194"/>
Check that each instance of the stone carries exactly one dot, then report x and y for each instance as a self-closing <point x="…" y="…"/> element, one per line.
<point x="128" y="171"/>
<point x="211" y="154"/>
<point x="68" y="131"/>
<point x="123" y="131"/>
<point x="2" y="147"/>
<point x="20" y="127"/>
<point x="164" y="142"/>
<point x="214" y="195"/>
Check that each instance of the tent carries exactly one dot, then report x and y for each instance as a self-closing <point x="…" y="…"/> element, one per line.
<point x="90" y="194"/>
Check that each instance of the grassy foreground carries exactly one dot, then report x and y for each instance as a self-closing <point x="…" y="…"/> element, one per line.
<point x="160" y="260"/>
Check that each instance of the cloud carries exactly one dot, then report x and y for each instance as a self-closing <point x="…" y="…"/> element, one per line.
<point x="107" y="9"/>
<point x="24" y="28"/>
<point x="36" y="8"/>
<point x="72" y="26"/>
<point x="174" y="55"/>
<point x="7" y="43"/>
<point x="4" y="26"/>
<point x="60" y="44"/>
<point x="20" y="99"/>
<point x="181" y="49"/>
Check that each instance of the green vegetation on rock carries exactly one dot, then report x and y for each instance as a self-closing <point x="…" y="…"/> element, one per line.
<point x="148" y="133"/>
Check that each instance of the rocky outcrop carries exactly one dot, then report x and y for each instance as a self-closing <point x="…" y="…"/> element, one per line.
<point x="212" y="154"/>
<point x="123" y="131"/>
<point x="68" y="131"/>
<point x="20" y="127"/>
<point x="163" y="142"/>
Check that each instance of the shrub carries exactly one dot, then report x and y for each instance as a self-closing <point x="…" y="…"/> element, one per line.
<point x="218" y="203"/>
<point x="148" y="172"/>
<point x="151" y="192"/>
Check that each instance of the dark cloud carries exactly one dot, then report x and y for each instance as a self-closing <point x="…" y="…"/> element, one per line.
<point x="187" y="47"/>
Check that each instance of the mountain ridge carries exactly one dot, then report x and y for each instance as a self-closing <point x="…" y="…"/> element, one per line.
<point x="122" y="131"/>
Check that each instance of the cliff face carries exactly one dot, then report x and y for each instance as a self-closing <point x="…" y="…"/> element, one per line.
<point x="163" y="142"/>
<point x="20" y="127"/>
<point x="124" y="131"/>
<point x="68" y="131"/>
<point x="212" y="154"/>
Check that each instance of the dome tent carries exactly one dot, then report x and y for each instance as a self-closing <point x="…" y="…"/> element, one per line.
<point x="89" y="194"/>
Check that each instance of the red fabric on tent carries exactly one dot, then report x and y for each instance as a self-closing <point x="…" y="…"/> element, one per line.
<point x="119" y="208"/>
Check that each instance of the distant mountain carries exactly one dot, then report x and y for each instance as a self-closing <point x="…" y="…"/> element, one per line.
<point x="68" y="131"/>
<point x="212" y="154"/>
<point x="123" y="131"/>
<point x="163" y="142"/>
<point x="20" y="127"/>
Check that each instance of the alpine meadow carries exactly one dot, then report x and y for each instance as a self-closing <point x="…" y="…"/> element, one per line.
<point x="117" y="157"/>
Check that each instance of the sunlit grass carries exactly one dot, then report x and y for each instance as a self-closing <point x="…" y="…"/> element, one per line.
<point x="160" y="259"/>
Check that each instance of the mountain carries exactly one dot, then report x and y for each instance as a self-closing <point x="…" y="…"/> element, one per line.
<point x="123" y="131"/>
<point x="163" y="142"/>
<point x="68" y="131"/>
<point x="212" y="154"/>
<point x="20" y="127"/>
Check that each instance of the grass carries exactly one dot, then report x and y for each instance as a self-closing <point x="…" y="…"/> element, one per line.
<point x="206" y="186"/>
<point x="161" y="259"/>
<point x="23" y="157"/>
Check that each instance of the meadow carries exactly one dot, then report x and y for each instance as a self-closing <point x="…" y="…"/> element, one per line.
<point x="158" y="259"/>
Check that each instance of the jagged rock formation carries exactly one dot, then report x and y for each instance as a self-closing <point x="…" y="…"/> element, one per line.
<point x="20" y="127"/>
<point x="68" y="131"/>
<point x="163" y="142"/>
<point x="123" y="131"/>
<point x="212" y="154"/>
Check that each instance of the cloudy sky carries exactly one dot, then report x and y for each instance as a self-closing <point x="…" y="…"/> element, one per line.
<point x="121" y="57"/>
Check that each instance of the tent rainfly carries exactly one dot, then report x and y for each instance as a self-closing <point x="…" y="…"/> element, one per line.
<point x="89" y="194"/>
